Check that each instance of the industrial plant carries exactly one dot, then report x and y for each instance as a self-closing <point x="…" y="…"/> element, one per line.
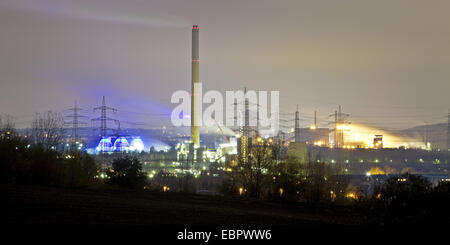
<point x="302" y="112"/>
<point x="357" y="149"/>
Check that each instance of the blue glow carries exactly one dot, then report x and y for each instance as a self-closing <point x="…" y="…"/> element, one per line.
<point x="105" y="145"/>
<point x="137" y="145"/>
<point x="121" y="144"/>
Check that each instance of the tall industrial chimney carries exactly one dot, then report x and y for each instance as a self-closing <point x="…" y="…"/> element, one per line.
<point x="297" y="126"/>
<point x="195" y="120"/>
<point x="315" y="119"/>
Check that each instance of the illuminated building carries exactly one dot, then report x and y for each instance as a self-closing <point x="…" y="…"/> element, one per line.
<point x="226" y="149"/>
<point x="298" y="151"/>
<point x="105" y="145"/>
<point x="243" y="149"/>
<point x="312" y="135"/>
<point x="188" y="153"/>
<point x="137" y="145"/>
<point x="378" y="141"/>
<point x="127" y="144"/>
<point x="316" y="136"/>
<point x="121" y="144"/>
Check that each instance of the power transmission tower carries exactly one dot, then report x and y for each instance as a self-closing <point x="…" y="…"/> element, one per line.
<point x="75" y="122"/>
<point x="246" y="116"/>
<point x="104" y="118"/>
<point x="340" y="122"/>
<point x="257" y="118"/>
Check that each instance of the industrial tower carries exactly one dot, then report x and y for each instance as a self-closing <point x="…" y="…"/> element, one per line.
<point x="195" y="99"/>
<point x="246" y="115"/>
<point x="75" y="121"/>
<point x="315" y="120"/>
<point x="297" y="125"/>
<point x="103" y="117"/>
<point x="244" y="131"/>
<point x="257" y="119"/>
<point x="339" y="127"/>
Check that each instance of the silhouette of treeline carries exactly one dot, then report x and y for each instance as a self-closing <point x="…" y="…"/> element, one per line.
<point x="32" y="158"/>
<point x="407" y="194"/>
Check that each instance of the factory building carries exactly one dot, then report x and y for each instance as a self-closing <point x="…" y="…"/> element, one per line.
<point x="312" y="135"/>
<point x="315" y="136"/>
<point x="298" y="151"/>
<point x="121" y="144"/>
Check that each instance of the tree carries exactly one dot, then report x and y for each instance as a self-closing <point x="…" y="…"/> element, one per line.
<point x="80" y="169"/>
<point x="315" y="185"/>
<point x="7" y="127"/>
<point x="47" y="130"/>
<point x="254" y="172"/>
<point x="286" y="179"/>
<point x="127" y="172"/>
<point x="440" y="198"/>
<point x="404" y="193"/>
<point x="12" y="148"/>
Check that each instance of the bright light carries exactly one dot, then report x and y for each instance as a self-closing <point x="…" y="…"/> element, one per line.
<point x="319" y="143"/>
<point x="241" y="191"/>
<point x="137" y="145"/>
<point x="105" y="145"/>
<point x="363" y="137"/>
<point x="343" y="127"/>
<point x="368" y="174"/>
<point x="121" y="144"/>
<point x="351" y="195"/>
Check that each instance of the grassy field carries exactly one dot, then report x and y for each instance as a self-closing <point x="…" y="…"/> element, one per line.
<point x="47" y="205"/>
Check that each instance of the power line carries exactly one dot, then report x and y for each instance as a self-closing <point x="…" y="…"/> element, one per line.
<point x="75" y="121"/>
<point x="340" y="120"/>
<point x="103" y="117"/>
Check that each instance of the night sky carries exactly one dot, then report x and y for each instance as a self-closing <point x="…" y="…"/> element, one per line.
<point x="386" y="62"/>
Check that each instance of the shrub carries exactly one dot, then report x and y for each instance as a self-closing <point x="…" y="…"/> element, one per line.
<point x="127" y="172"/>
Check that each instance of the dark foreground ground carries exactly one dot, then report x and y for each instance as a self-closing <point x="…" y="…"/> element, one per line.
<point x="46" y="205"/>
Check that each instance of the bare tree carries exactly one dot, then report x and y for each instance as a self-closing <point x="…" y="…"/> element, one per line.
<point x="6" y="126"/>
<point x="254" y="173"/>
<point x="47" y="130"/>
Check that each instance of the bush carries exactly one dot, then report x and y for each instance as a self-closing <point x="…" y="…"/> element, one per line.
<point x="404" y="194"/>
<point x="127" y="172"/>
<point x="440" y="198"/>
<point x="80" y="170"/>
<point x="33" y="164"/>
